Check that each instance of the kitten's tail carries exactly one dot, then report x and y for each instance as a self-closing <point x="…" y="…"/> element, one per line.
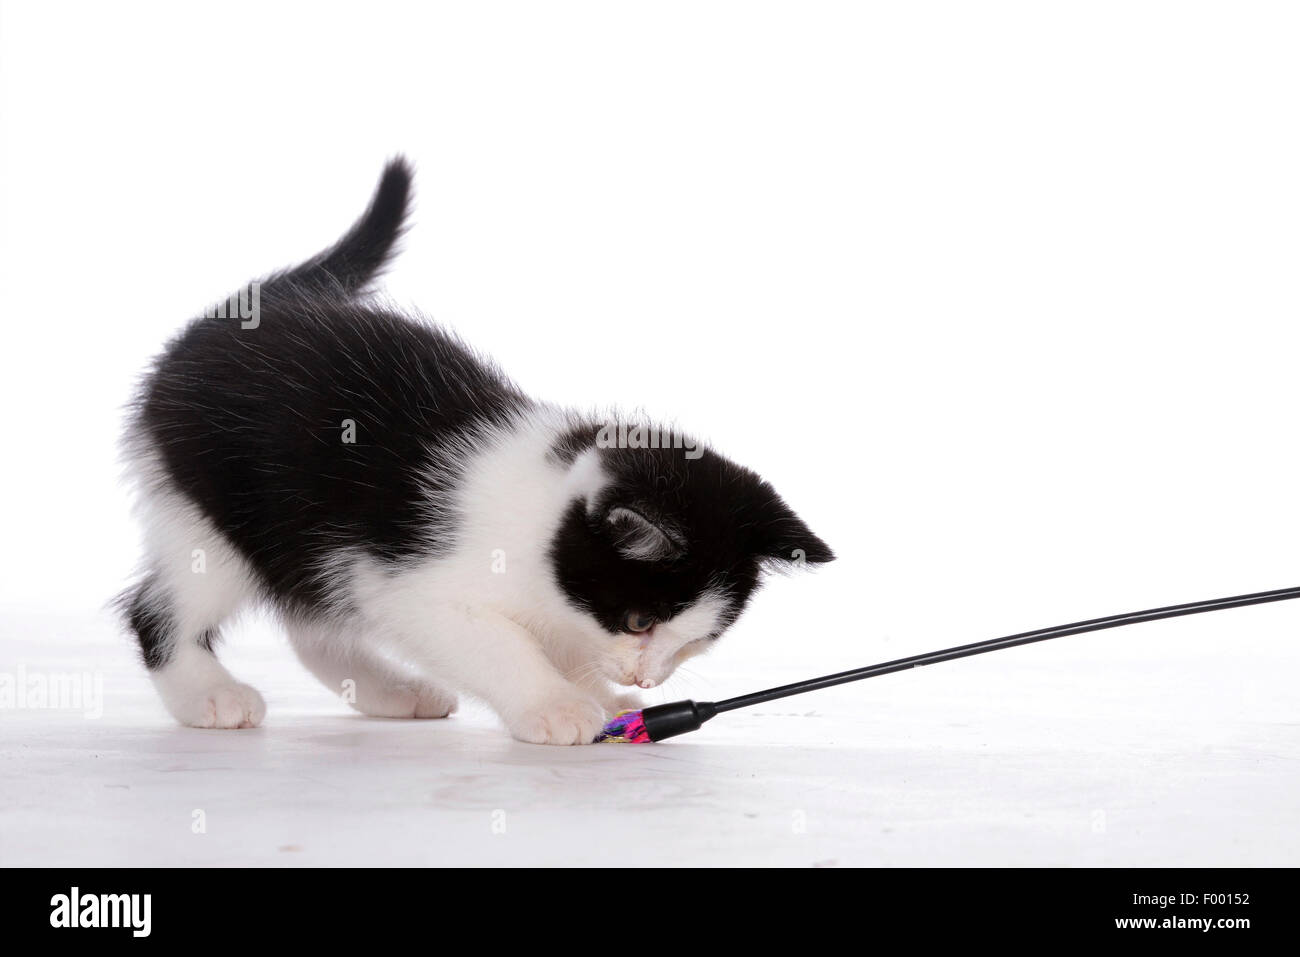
<point x="349" y="266"/>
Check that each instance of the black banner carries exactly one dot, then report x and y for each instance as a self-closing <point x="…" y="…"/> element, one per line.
<point x="1228" y="907"/>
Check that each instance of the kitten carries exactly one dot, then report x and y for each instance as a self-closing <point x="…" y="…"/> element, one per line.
<point x="421" y="526"/>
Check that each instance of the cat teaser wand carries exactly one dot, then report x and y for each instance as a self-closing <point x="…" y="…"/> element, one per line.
<point x="678" y="717"/>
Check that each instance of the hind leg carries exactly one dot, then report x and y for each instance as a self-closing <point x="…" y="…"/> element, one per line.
<point x="178" y="651"/>
<point x="196" y="583"/>
<point x="363" y="677"/>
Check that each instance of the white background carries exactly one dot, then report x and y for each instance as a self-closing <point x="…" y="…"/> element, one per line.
<point x="1002" y="297"/>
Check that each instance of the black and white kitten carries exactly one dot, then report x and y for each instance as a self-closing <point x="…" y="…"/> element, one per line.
<point x="419" y="524"/>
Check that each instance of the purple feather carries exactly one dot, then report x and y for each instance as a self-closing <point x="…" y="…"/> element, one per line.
<point x="626" y="727"/>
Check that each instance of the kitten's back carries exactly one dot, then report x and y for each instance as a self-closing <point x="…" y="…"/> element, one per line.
<point x="311" y="429"/>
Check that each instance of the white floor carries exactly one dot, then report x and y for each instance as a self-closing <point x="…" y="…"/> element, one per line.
<point x="1095" y="752"/>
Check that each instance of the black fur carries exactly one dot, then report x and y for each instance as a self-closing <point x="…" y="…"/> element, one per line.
<point x="249" y="422"/>
<point x="350" y="265"/>
<point x="730" y="523"/>
<point x="149" y="616"/>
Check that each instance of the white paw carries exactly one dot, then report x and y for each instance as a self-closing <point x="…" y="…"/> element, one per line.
<point x="570" y="720"/>
<point x="615" y="701"/>
<point x="406" y="702"/>
<point x="435" y="703"/>
<point x="625" y="702"/>
<point x="232" y="705"/>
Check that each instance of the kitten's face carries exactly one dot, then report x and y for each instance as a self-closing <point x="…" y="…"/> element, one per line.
<point x="666" y="554"/>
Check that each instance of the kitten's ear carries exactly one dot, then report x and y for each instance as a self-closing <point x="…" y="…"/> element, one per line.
<point x="640" y="539"/>
<point x="787" y="540"/>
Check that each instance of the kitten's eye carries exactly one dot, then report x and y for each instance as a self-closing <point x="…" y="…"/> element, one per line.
<point x="637" y="622"/>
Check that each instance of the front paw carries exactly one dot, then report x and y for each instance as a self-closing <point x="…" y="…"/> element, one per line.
<point x="631" y="701"/>
<point x="574" y="719"/>
<point x="228" y="705"/>
<point x="615" y="701"/>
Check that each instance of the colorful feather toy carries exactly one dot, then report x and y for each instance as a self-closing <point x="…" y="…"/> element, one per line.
<point x="627" y="727"/>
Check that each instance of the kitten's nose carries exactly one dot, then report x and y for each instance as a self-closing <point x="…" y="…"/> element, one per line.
<point x="645" y="682"/>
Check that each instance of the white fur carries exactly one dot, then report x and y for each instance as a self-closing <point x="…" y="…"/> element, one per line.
<point x="485" y="617"/>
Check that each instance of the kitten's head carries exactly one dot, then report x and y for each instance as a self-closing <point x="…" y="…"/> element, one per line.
<point x="665" y="551"/>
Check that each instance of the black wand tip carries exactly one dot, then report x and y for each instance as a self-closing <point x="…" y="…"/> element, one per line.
<point x="676" y="717"/>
